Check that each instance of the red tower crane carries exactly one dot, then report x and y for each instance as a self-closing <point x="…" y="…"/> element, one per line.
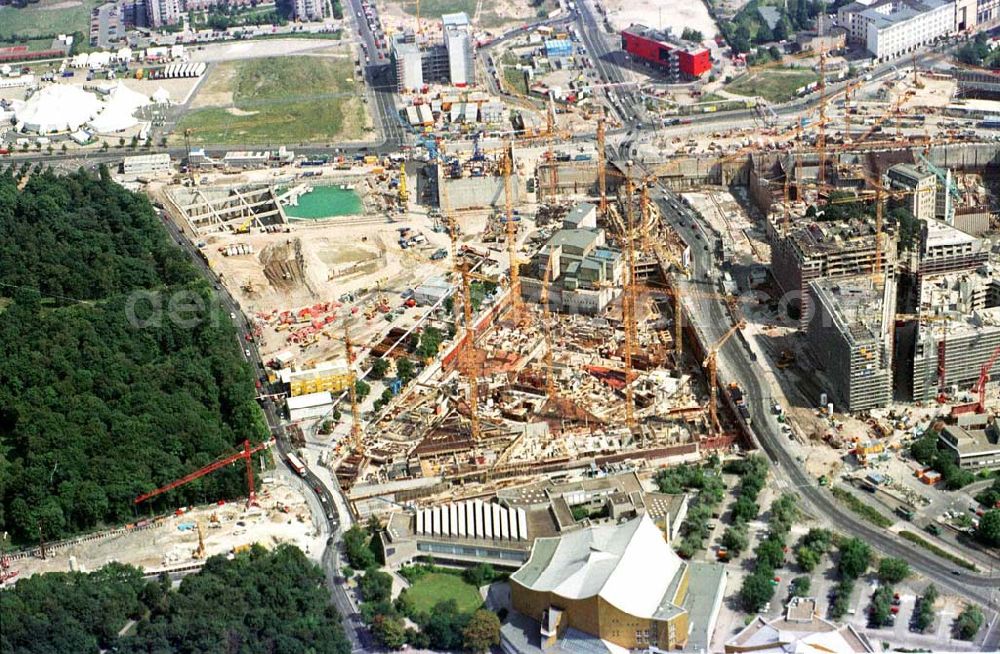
<point x="980" y="388"/>
<point x="246" y="454"/>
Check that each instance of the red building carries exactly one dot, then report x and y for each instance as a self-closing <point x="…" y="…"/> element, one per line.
<point x="679" y="59"/>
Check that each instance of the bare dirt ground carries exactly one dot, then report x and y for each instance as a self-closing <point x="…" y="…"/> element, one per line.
<point x="261" y="48"/>
<point x="672" y="15"/>
<point x="283" y="516"/>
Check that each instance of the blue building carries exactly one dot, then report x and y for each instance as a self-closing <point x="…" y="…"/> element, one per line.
<point x="558" y="48"/>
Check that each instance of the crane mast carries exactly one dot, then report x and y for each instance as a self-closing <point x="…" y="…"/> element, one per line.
<point x="628" y="305"/>
<point x="467" y="363"/>
<point x="713" y="387"/>
<point x="246" y="454"/>
<point x="516" y="302"/>
<point x="602" y="181"/>
<point x="550" y="382"/>
<point x="353" y="391"/>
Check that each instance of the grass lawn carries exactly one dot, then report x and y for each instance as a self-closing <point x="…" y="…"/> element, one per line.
<point x="774" y="85"/>
<point x="436" y="587"/>
<point x="47" y="17"/>
<point x="434" y="8"/>
<point x="279" y="100"/>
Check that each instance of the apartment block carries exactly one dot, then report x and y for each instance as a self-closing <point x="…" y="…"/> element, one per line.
<point x="892" y="28"/>
<point x="160" y="13"/>
<point x="922" y="186"/>
<point x="306" y="10"/>
<point x="850" y="332"/>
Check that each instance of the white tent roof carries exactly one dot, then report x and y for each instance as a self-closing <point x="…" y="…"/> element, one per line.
<point x="161" y="96"/>
<point x="119" y="110"/>
<point x="57" y="108"/>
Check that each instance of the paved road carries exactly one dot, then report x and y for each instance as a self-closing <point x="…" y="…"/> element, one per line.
<point x="360" y="640"/>
<point x="735" y="364"/>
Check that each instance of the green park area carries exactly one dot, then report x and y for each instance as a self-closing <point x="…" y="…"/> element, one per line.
<point x="434" y="587"/>
<point x="45" y="18"/>
<point x="774" y="85"/>
<point x="277" y="100"/>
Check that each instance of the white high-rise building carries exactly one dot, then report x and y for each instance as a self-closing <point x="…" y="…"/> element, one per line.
<point x="458" y="43"/>
<point x="897" y="28"/>
<point x="306" y="10"/>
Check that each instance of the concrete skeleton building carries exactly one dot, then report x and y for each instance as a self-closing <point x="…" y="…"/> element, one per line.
<point x="950" y="350"/>
<point x="824" y="250"/>
<point x="451" y="61"/>
<point x="850" y="332"/>
<point x="611" y="586"/>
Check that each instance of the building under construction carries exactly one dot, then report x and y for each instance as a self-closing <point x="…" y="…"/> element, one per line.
<point x="960" y="334"/>
<point x="850" y="330"/>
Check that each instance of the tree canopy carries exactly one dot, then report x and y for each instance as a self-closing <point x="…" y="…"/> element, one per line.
<point x="120" y="368"/>
<point x="258" y="602"/>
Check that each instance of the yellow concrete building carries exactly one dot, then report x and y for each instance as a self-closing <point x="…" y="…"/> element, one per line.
<point x="329" y="377"/>
<point x="620" y="583"/>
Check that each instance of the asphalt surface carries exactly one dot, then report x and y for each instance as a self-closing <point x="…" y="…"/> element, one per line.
<point x="353" y="627"/>
<point x="712" y="320"/>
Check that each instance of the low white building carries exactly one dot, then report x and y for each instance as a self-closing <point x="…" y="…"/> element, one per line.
<point x="306" y="407"/>
<point x="432" y="291"/>
<point x="146" y="164"/>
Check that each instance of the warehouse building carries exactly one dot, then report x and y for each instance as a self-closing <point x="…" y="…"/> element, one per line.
<point x="678" y="59"/>
<point x="310" y="406"/>
<point x="850" y="332"/>
<point x="146" y="164"/>
<point x="611" y="585"/>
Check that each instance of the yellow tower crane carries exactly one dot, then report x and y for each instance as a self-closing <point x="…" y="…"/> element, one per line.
<point x="356" y="439"/>
<point x="628" y="305"/>
<point x="710" y="364"/>
<point x="516" y="302"/>
<point x="550" y="382"/>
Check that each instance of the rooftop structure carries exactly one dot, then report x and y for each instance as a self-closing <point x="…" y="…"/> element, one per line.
<point x="502" y="531"/>
<point x="800" y="630"/>
<point x="850" y="332"/>
<point x="678" y="59"/>
<point x="599" y="582"/>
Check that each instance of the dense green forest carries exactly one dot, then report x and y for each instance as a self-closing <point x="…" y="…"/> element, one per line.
<point x="259" y="602"/>
<point x="102" y="396"/>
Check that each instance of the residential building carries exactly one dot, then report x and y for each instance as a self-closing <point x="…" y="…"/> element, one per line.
<point x="617" y="583"/>
<point x="966" y="15"/>
<point x="921" y="184"/>
<point x="160" y="13"/>
<point x="586" y="274"/>
<point x="799" y="630"/>
<point x="987" y="13"/>
<point x="850" y="332"/>
<point x="458" y="44"/>
<point x="974" y="442"/>
<point x="307" y="10"/>
<point x="678" y="59"/>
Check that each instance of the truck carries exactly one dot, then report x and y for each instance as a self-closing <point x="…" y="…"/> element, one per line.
<point x="296" y="464"/>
